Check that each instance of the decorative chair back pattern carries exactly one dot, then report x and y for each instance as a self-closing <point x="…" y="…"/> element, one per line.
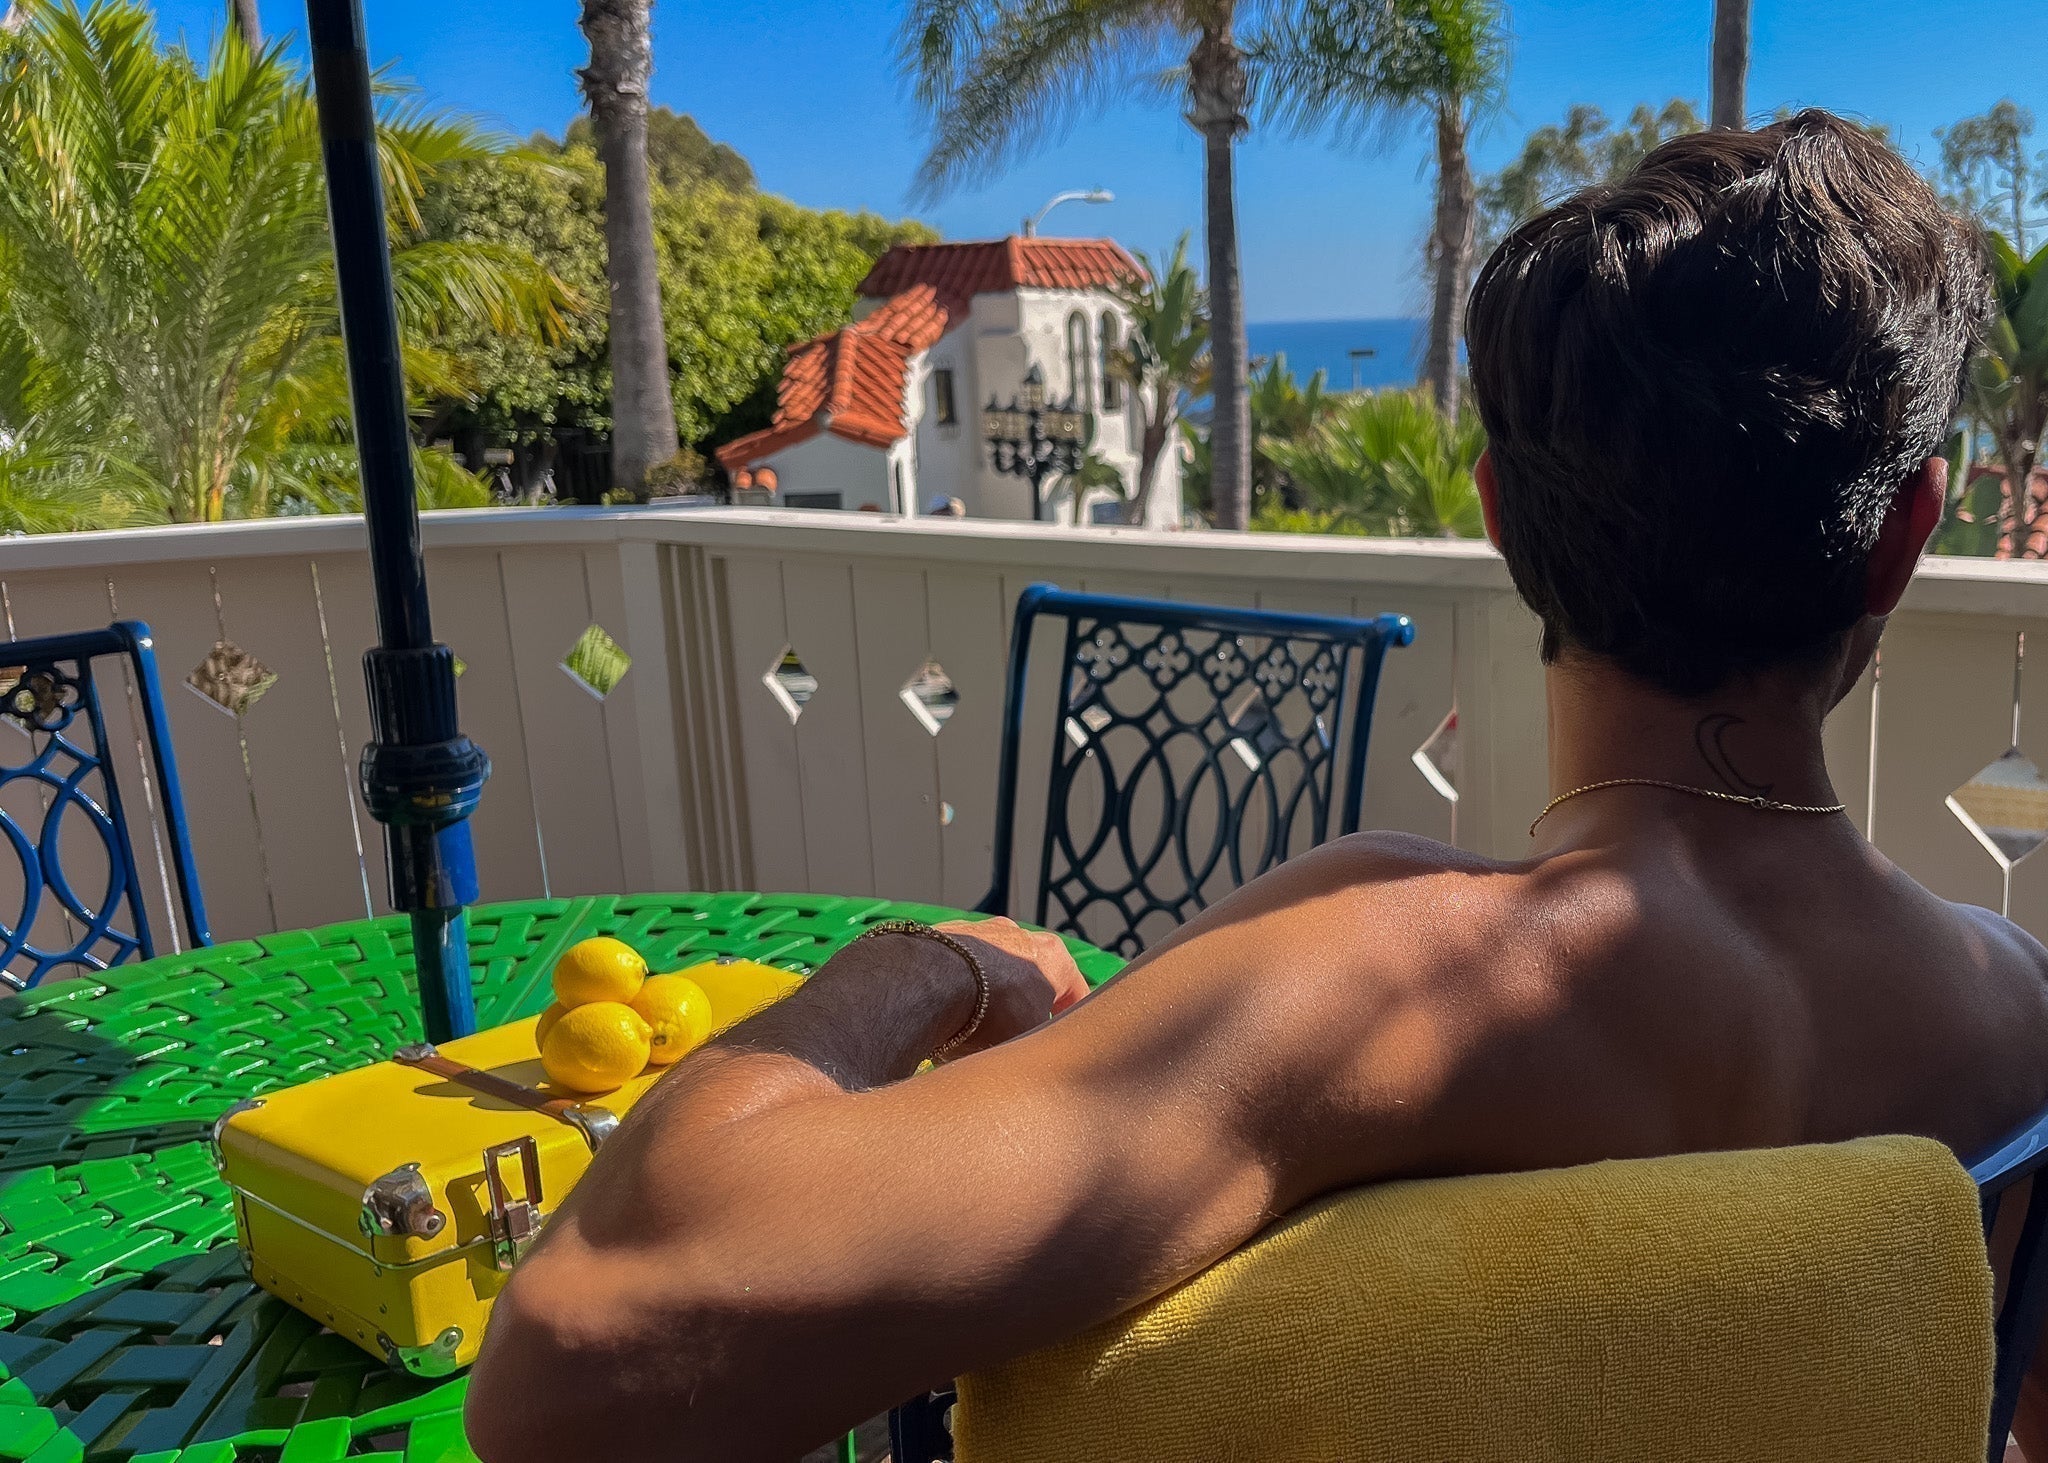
<point x="1192" y="749"/>
<point x="66" y="818"/>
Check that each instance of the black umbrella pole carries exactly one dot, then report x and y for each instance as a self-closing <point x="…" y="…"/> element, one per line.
<point x="420" y="776"/>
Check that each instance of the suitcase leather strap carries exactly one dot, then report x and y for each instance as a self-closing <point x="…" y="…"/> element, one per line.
<point x="593" y="1122"/>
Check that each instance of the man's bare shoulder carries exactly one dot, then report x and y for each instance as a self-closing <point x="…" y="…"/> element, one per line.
<point x="2000" y="937"/>
<point x="1393" y="877"/>
<point x="1411" y="997"/>
<point x="1378" y="910"/>
<point x="1378" y="865"/>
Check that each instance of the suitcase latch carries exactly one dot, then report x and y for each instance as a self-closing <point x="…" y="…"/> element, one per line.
<point x="514" y="1222"/>
<point x="400" y="1203"/>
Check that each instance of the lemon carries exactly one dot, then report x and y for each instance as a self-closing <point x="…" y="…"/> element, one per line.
<point x="679" y="1013"/>
<point x="602" y="969"/>
<point x="547" y="1021"/>
<point x="739" y="988"/>
<point x="595" y="1047"/>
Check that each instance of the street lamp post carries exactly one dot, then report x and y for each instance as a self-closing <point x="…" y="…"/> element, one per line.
<point x="1072" y="195"/>
<point x="1033" y="440"/>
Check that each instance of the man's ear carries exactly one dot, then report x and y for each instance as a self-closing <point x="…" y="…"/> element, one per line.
<point x="1908" y="524"/>
<point x="1489" y="495"/>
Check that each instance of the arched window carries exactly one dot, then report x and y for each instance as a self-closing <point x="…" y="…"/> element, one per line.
<point x="1079" y="361"/>
<point x="1112" y="384"/>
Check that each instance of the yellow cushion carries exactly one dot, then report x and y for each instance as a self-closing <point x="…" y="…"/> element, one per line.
<point x="1825" y="1304"/>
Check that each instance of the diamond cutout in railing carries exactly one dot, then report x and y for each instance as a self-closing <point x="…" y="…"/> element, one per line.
<point x="2005" y="807"/>
<point x="930" y="696"/>
<point x="1437" y="758"/>
<point x="1094" y="717"/>
<point x="231" y="678"/>
<point x="1255" y="732"/>
<point x="596" y="662"/>
<point x="789" y="683"/>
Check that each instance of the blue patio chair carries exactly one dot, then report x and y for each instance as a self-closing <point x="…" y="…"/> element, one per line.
<point x="1192" y="749"/>
<point x="66" y="813"/>
<point x="2011" y="1163"/>
<point x="920" y="1433"/>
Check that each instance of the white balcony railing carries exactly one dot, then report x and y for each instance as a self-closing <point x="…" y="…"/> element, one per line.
<point x="692" y="774"/>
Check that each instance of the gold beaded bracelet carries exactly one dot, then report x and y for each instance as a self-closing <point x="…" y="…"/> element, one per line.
<point x="921" y="931"/>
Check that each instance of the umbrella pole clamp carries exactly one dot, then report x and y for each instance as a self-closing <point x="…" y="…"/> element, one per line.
<point x="421" y="779"/>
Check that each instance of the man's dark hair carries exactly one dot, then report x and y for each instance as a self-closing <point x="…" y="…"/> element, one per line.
<point x="1703" y="386"/>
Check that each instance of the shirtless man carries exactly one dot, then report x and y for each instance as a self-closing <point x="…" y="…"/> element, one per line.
<point x="1713" y="393"/>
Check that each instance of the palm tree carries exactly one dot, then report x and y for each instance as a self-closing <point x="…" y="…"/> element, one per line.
<point x="999" y="75"/>
<point x="1388" y="463"/>
<point x="1165" y="353"/>
<point x="1283" y="410"/>
<point x="168" y="320"/>
<point x="248" y="24"/>
<point x="2008" y="392"/>
<point x="1989" y="171"/>
<point x="615" y="82"/>
<point x="1362" y="68"/>
<point x="1562" y="158"/>
<point x="1729" y="107"/>
<point x="1093" y="475"/>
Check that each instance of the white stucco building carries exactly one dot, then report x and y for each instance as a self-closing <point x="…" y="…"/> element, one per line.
<point x="885" y="414"/>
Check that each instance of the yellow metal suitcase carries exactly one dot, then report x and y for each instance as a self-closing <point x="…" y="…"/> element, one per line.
<point x="390" y="1203"/>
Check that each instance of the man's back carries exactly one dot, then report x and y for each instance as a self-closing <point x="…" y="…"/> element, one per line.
<point x="1704" y="983"/>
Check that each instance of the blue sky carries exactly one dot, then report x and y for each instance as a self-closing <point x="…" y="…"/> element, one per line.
<point x="806" y="89"/>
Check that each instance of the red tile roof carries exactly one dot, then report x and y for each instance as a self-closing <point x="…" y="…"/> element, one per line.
<point x="959" y="272"/>
<point x="851" y="383"/>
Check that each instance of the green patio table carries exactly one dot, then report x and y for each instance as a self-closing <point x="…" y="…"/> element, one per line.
<point x="128" y="1327"/>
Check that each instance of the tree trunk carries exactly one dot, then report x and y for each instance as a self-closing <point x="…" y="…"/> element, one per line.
<point x="249" y="24"/>
<point x="1216" y="90"/>
<point x="1730" y="106"/>
<point x="1451" y="254"/>
<point x="1151" y="447"/>
<point x="2021" y="526"/>
<point x="615" y="82"/>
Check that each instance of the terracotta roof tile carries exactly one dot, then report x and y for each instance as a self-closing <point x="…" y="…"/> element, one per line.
<point x="959" y="272"/>
<point x="851" y="383"/>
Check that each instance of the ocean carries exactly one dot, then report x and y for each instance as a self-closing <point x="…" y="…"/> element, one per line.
<point x="1309" y="345"/>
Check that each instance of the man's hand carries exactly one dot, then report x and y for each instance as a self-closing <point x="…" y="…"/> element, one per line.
<point x="1031" y="978"/>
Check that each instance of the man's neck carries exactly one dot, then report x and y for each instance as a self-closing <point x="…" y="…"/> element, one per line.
<point x="1759" y="739"/>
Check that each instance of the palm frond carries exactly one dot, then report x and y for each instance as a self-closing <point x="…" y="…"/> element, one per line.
<point x="416" y="142"/>
<point x="440" y="282"/>
<point x="1361" y="69"/>
<point x="1387" y="463"/>
<point x="1001" y="77"/>
<point x="325" y="477"/>
<point x="165" y="261"/>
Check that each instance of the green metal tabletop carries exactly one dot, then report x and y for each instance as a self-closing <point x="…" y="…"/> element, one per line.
<point x="129" y="1328"/>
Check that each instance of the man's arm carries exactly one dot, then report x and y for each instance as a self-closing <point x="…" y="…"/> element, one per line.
<point x="783" y="1239"/>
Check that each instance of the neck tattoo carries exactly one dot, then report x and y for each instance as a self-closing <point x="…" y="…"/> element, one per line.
<point x="1707" y="736"/>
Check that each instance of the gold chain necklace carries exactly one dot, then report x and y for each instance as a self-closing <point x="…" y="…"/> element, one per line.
<point x="1768" y="805"/>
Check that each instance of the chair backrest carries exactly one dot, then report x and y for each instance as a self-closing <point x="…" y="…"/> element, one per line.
<point x="2010" y="1163"/>
<point x="65" y="815"/>
<point x="920" y="1428"/>
<point x="1192" y="748"/>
